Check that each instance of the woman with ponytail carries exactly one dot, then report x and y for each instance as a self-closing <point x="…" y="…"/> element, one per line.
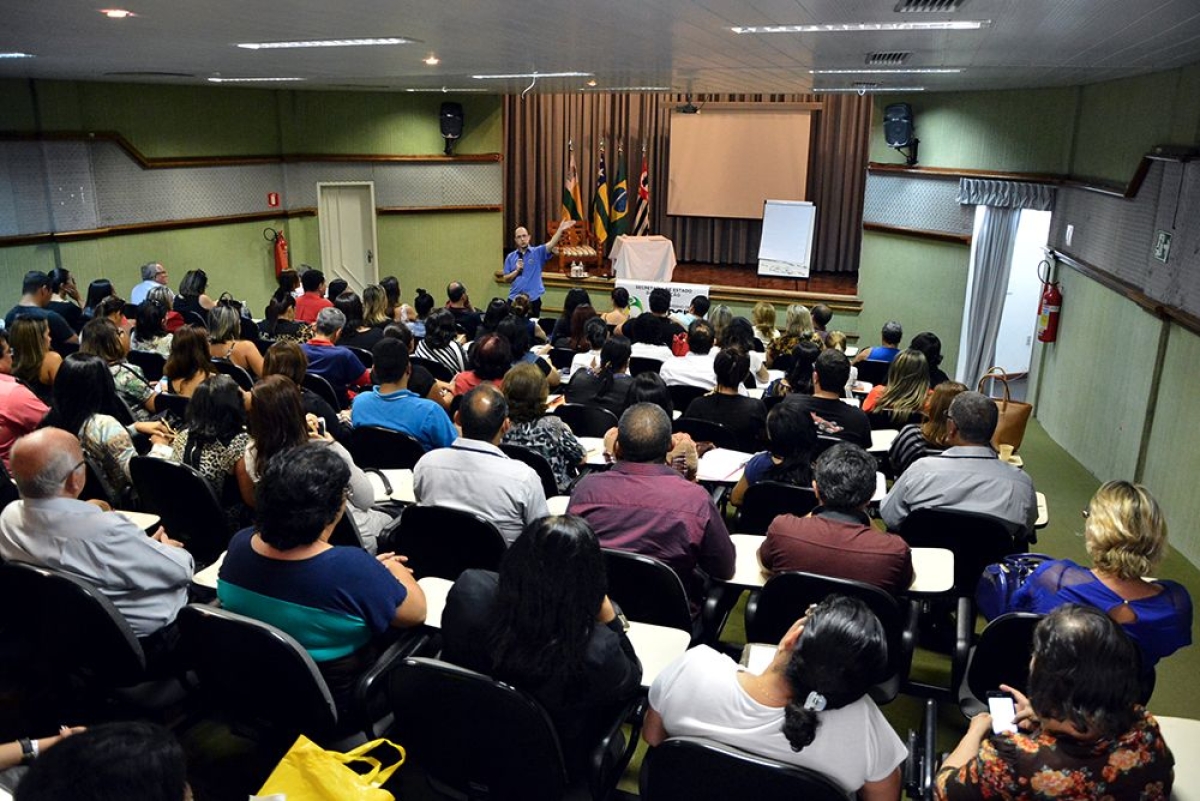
<point x="808" y="708"/>
<point x="606" y="385"/>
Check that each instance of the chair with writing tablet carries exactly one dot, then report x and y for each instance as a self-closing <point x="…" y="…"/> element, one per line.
<point x="320" y="385"/>
<point x="1001" y="656"/>
<point x="150" y="363"/>
<point x="873" y="371"/>
<point x="443" y="542"/>
<point x="585" y="420"/>
<point x="438" y="370"/>
<point x="561" y="358"/>
<point x="644" y="364"/>
<point x="766" y="500"/>
<point x="682" y="395"/>
<point x="236" y="372"/>
<point x="647" y="590"/>
<point x="707" y="431"/>
<point x="373" y="447"/>
<point x="185" y="502"/>
<point x="539" y="464"/>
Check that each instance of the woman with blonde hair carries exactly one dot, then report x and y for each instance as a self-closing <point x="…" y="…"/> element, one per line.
<point x="375" y="304"/>
<point x="798" y="328"/>
<point x="763" y="317"/>
<point x="33" y="360"/>
<point x="906" y="391"/>
<point x="1125" y="534"/>
<point x="224" y="342"/>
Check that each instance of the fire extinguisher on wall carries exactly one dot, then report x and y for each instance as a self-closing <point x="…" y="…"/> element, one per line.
<point x="281" y="249"/>
<point x="1050" y="307"/>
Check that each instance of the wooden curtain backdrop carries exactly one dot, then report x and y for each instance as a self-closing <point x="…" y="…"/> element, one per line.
<point x="538" y="127"/>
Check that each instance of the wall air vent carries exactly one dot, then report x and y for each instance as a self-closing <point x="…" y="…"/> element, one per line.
<point x="892" y="59"/>
<point x="927" y="6"/>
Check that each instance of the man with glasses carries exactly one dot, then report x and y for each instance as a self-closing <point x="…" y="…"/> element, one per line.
<point x="153" y="275"/>
<point x="146" y="578"/>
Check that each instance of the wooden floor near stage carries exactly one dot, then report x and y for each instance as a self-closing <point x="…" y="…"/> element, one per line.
<point x="746" y="275"/>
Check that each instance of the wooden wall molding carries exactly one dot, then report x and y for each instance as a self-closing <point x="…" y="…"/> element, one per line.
<point x="388" y="210"/>
<point x="918" y="233"/>
<point x="1174" y="314"/>
<point x="152" y="227"/>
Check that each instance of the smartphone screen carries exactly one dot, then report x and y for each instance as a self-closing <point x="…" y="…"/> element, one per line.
<point x="1003" y="710"/>
<point x="320" y="427"/>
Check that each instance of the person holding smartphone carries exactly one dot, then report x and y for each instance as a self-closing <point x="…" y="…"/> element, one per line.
<point x="1079" y="733"/>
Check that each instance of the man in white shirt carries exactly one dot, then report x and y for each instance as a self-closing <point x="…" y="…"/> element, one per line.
<point x="474" y="475"/>
<point x="153" y="275"/>
<point x="694" y="368"/>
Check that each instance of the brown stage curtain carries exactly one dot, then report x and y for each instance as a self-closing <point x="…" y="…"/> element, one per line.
<point x="537" y="129"/>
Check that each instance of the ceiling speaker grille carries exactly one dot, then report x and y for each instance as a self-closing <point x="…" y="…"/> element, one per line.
<point x="889" y="59"/>
<point x="926" y="6"/>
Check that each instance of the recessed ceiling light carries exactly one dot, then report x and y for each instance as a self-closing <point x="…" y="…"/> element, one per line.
<point x="390" y="40"/>
<point x="862" y="90"/>
<point x="117" y="13"/>
<point x="535" y="75"/>
<point x="16" y="55"/>
<point x="433" y="60"/>
<point x="254" y="80"/>
<point x="842" y="27"/>
<point x="914" y="71"/>
<point x="592" y="82"/>
<point x="445" y="90"/>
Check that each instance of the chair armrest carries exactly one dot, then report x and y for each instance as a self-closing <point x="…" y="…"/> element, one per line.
<point x="964" y="620"/>
<point x="908" y="639"/>
<point x="921" y="764"/>
<point x="411" y="642"/>
<point x="606" y="765"/>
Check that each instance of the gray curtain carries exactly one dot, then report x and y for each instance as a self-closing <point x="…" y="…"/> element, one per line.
<point x="991" y="264"/>
<point x="1005" y="194"/>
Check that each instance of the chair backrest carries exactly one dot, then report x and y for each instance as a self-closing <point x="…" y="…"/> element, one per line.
<point x="438" y="370"/>
<point x="321" y="386"/>
<point x="1001" y="656"/>
<point x="873" y="371"/>
<point x="707" y="431"/>
<point x="236" y="372"/>
<point x="76" y="631"/>
<point x="94" y="489"/>
<point x="365" y="356"/>
<point x="682" y="395"/>
<point x="346" y="532"/>
<point x="537" y="462"/>
<point x="643" y="364"/>
<point x="130" y="310"/>
<point x="186" y="502"/>
<point x="478" y="736"/>
<point x="256" y="673"/>
<point x="151" y="363"/>
<point x="976" y="541"/>
<point x="785" y="596"/>
<point x="647" y="590"/>
<point x="170" y="402"/>
<point x="8" y="490"/>
<point x="586" y="420"/>
<point x="695" y="769"/>
<point x="444" y="542"/>
<point x="561" y="358"/>
<point x="766" y="500"/>
<point x="384" y="449"/>
<point x="882" y="418"/>
<point x="196" y="318"/>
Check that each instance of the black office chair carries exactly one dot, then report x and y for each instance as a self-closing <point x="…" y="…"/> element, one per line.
<point x="708" y="431"/>
<point x="783" y="599"/>
<point x="824" y="443"/>
<point x="383" y="449"/>
<point x="537" y="462"/>
<point x="196" y="318"/>
<point x="561" y="358"/>
<point x="873" y="371"/>
<point x="187" y="504"/>
<point x="175" y="405"/>
<point x="647" y="590"/>
<point x="8" y="490"/>
<point x="365" y="356"/>
<point x="130" y="310"/>
<point x="882" y="418"/>
<point x="643" y="364"/>
<point x="236" y="372"/>
<point x="150" y="363"/>
<point x="696" y="769"/>
<point x="444" y="542"/>
<point x="475" y="737"/>
<point x="96" y="490"/>
<point x="682" y="395"/>
<point x="438" y="370"/>
<point x="766" y="500"/>
<point x="585" y="420"/>
<point x="1001" y="656"/>
<point x="346" y="532"/>
<point x="321" y="386"/>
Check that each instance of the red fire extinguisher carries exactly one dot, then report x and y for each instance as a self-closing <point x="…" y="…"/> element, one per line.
<point x="281" y="249"/>
<point x="1050" y="307"/>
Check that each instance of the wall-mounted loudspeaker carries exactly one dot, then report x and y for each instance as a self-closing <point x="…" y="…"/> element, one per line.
<point x="898" y="125"/>
<point x="451" y="119"/>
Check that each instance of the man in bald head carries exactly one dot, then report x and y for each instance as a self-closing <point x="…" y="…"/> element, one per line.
<point x="145" y="577"/>
<point x="523" y="266"/>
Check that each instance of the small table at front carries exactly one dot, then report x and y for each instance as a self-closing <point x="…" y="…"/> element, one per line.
<point x="644" y="258"/>
<point x="656" y="646"/>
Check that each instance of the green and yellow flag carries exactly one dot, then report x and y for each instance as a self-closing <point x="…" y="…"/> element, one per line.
<point x="572" y="203"/>
<point x="600" y="202"/>
<point x="619" y="218"/>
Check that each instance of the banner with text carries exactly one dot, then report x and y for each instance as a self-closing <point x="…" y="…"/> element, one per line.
<point x="681" y="294"/>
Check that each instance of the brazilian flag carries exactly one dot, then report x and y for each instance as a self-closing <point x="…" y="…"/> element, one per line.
<point x="619" y="219"/>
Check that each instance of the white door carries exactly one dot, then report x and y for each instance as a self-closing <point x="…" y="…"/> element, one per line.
<point x="346" y="215"/>
<point x="1014" y="342"/>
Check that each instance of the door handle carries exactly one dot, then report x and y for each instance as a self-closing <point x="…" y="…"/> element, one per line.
<point x="370" y="257"/>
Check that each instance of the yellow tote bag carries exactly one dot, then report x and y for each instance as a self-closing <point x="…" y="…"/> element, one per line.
<point x="308" y="772"/>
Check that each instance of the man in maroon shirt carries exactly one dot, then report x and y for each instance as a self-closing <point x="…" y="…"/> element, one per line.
<point x="837" y="538"/>
<point x="642" y="505"/>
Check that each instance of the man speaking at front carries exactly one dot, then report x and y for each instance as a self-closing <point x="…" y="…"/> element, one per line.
<point x="523" y="266"/>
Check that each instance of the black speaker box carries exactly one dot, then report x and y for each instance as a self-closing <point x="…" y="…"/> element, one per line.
<point x="898" y="125"/>
<point x="451" y="117"/>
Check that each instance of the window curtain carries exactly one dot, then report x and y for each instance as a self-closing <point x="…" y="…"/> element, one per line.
<point x="996" y="224"/>
<point x="537" y="129"/>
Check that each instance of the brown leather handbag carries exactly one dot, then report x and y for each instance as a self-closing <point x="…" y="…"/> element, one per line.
<point x="1014" y="415"/>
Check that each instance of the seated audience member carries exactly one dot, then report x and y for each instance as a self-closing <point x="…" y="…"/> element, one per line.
<point x="17" y="754"/>
<point x="109" y="761"/>
<point x="165" y="298"/>
<point x="968" y="477"/>
<point x="153" y="275"/>
<point x="20" y="410"/>
<point x="64" y="297"/>
<point x="394" y="310"/>
<point x="98" y="290"/>
<point x="288" y="283"/>
<point x="335" y="600"/>
<point x="684" y="458"/>
<point x="791" y="437"/>
<point x="224" y="340"/>
<point x="335" y="288"/>
<point x="619" y="312"/>
<point x="918" y="440"/>
<point x="694" y="368"/>
<point x="100" y="337"/>
<point x="740" y="334"/>
<point x="86" y="405"/>
<point x="113" y="309"/>
<point x="576" y="659"/>
<point x="277" y="422"/>
<point x="375" y="307"/>
<point x="279" y="321"/>
<point x="1082" y="733"/>
<point x="837" y="539"/>
<point x="596" y="333"/>
<point x="720" y="316"/>
<point x="420" y="380"/>
<point x="832" y="417"/>
<point x="312" y="301"/>
<point x="490" y="359"/>
<point x="837" y="341"/>
<point x="497" y="309"/>
<point x="35" y="297"/>
<point x="889" y="350"/>
<point x="191" y="297"/>
<point x="763" y="317"/>
<point x="189" y="364"/>
<point x="797" y="329"/>
<point x="149" y="331"/>
<point x="146" y="578"/>
<point x="696" y="311"/>
<point x="1125" y="534"/>
<point x="821" y="315"/>
<point x="423" y="304"/>
<point x="526" y="390"/>
<point x="440" y="345"/>
<point x="745" y="417"/>
<point x="516" y="331"/>
<point x="808" y="708"/>
<point x="474" y="475"/>
<point x="606" y="385"/>
<point x="799" y="378"/>
<point x="653" y="327"/>
<point x="928" y="343"/>
<point x="642" y="505"/>
<point x="286" y="359"/>
<point x="576" y="297"/>
<point x="522" y="307"/>
<point x="459" y="305"/>
<point x="576" y="339"/>
<point x="337" y="365"/>
<point x="906" y="391"/>
<point x="32" y="359"/>
<point x="356" y="332"/>
<point x="213" y="440"/>
<point x="392" y="405"/>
